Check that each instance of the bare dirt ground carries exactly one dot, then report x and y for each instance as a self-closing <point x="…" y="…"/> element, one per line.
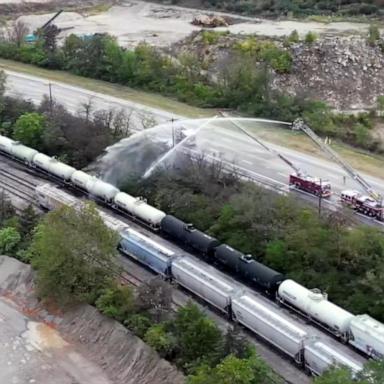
<point x="135" y="21"/>
<point x="80" y="346"/>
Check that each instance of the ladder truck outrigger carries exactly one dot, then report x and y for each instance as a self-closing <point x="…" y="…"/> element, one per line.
<point x="370" y="204"/>
<point x="298" y="179"/>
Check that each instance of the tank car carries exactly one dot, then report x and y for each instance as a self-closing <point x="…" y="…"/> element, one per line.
<point x="53" y="166"/>
<point x="101" y="189"/>
<point x="367" y="335"/>
<point x="248" y="268"/>
<point x="187" y="234"/>
<point x="261" y="317"/>
<point x="147" y="251"/>
<point x="319" y="357"/>
<point x="259" y="274"/>
<point x="145" y="212"/>
<point x="204" y="281"/>
<point x="6" y="144"/>
<point x="315" y="305"/>
<point x="23" y="153"/>
<point x="81" y="179"/>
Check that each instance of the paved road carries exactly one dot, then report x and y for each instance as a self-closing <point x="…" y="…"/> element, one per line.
<point x="73" y="98"/>
<point x="218" y="140"/>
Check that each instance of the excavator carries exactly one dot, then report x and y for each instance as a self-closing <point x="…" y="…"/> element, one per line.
<point x="369" y="204"/>
<point x="34" y="37"/>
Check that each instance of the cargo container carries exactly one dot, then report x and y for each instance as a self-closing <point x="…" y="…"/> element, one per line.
<point x="367" y="335"/>
<point x="51" y="197"/>
<point x="315" y="305"/>
<point x="205" y="282"/>
<point x="147" y="251"/>
<point x="189" y="235"/>
<point x="266" y="321"/>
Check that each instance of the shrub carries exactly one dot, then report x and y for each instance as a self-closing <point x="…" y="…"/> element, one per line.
<point x="310" y="37"/>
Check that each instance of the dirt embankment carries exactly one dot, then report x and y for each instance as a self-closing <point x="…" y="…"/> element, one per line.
<point x="344" y="71"/>
<point x="85" y="336"/>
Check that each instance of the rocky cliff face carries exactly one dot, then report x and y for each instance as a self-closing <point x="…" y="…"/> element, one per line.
<point x="122" y="356"/>
<point x="346" y="72"/>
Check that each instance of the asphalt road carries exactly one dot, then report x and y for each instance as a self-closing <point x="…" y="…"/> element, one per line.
<point x="217" y="140"/>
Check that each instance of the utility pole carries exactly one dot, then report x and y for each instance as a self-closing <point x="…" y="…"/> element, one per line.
<point x="50" y="97"/>
<point x="173" y="132"/>
<point x="320" y="197"/>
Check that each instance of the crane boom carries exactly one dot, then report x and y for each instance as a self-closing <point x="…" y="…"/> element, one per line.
<point x="51" y="19"/>
<point x="255" y="138"/>
<point x="299" y="124"/>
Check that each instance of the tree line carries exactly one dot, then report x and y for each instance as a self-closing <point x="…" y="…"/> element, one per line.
<point x="297" y="8"/>
<point x="76" y="139"/>
<point x="244" y="84"/>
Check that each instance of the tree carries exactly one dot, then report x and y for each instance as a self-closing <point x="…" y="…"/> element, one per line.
<point x="117" y="302"/>
<point x="197" y="337"/>
<point x="28" y="220"/>
<point x="7" y="210"/>
<point x="9" y="239"/>
<point x="233" y="370"/>
<point x="18" y="32"/>
<point x="155" y="297"/>
<point x="73" y="254"/>
<point x="29" y="129"/>
<point x="161" y="340"/>
<point x="3" y="80"/>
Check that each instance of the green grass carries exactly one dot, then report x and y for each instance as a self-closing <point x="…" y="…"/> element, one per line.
<point x="365" y="162"/>
<point x="360" y="160"/>
<point x="119" y="91"/>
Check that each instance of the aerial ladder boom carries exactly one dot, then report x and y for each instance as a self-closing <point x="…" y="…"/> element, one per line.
<point x="255" y="138"/>
<point x="299" y="124"/>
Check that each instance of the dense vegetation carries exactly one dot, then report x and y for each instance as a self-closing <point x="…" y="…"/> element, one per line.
<point x="51" y="129"/>
<point x="74" y="256"/>
<point x="318" y="251"/>
<point x="244" y="84"/>
<point x="298" y="8"/>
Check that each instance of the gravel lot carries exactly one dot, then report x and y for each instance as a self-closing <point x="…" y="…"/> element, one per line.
<point x="159" y="25"/>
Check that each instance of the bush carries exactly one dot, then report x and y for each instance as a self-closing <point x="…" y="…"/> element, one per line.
<point x="310" y="37"/>
<point x="117" y="302"/>
<point x="161" y="340"/>
<point x="373" y="34"/>
<point x="294" y="37"/>
<point x="138" y="324"/>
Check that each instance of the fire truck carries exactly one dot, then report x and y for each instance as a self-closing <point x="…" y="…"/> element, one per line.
<point x="297" y="179"/>
<point x="370" y="203"/>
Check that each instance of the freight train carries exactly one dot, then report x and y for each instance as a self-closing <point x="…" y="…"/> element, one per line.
<point x="363" y="332"/>
<point x="237" y="302"/>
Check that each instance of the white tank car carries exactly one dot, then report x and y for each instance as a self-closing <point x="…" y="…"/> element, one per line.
<point x="51" y="197"/>
<point x="367" y="335"/>
<point x="319" y="357"/>
<point x="81" y="179"/>
<point x="124" y="201"/>
<point x="316" y="306"/>
<point x="6" y="144"/>
<point x="266" y="321"/>
<point x="205" y="281"/>
<point x="53" y="166"/>
<point x="23" y="153"/>
<point x="100" y="188"/>
<point x="139" y="208"/>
